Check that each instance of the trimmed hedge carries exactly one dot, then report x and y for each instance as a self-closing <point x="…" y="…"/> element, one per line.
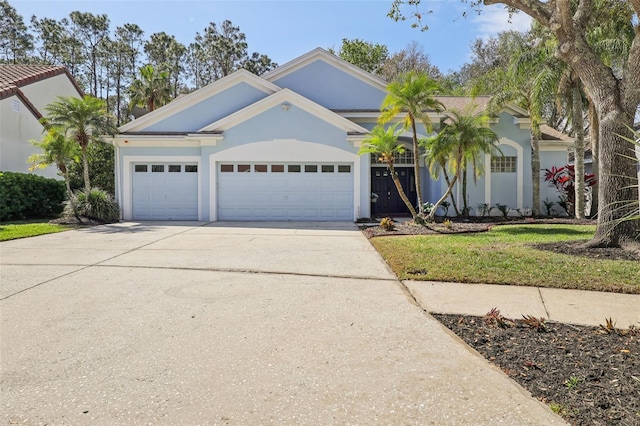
<point x="27" y="196"/>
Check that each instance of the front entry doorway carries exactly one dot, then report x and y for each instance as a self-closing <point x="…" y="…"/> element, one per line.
<point x="389" y="201"/>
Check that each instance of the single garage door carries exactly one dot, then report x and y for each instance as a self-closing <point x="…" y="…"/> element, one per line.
<point x="166" y="191"/>
<point x="285" y="191"/>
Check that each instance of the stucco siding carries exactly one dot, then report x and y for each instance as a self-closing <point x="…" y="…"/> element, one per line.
<point x="43" y="92"/>
<point x="332" y="87"/>
<point x="17" y="129"/>
<point x="276" y="123"/>
<point x="209" y="110"/>
<point x="549" y="159"/>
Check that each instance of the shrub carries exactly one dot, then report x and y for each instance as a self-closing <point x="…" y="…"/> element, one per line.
<point x="27" y="196"/>
<point x="548" y="206"/>
<point x="97" y="204"/>
<point x="504" y="209"/>
<point x="563" y="179"/>
<point x="387" y="224"/>
<point x="484" y="209"/>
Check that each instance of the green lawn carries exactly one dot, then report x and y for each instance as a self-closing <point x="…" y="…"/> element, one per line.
<point x="14" y="230"/>
<point x="504" y="256"/>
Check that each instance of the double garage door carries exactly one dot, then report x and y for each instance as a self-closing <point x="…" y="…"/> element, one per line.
<point x="285" y="191"/>
<point x="246" y="191"/>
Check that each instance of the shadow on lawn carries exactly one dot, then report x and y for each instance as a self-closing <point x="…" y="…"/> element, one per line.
<point x="540" y="230"/>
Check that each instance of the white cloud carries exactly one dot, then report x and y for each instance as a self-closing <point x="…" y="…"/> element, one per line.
<point x="495" y="19"/>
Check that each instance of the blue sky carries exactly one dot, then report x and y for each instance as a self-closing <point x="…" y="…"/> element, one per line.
<point x="284" y="30"/>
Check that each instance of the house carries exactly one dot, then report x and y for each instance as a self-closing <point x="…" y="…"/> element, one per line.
<point x="284" y="146"/>
<point x="24" y="92"/>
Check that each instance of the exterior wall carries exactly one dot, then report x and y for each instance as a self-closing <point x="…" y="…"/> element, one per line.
<point x="331" y="87"/>
<point x="275" y="135"/>
<point x="548" y="159"/>
<point x="17" y="129"/>
<point x="209" y="110"/>
<point x="511" y="189"/>
<point x="43" y="92"/>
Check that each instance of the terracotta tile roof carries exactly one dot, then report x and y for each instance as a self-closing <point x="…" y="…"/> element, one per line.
<point x="13" y="77"/>
<point x="22" y="75"/>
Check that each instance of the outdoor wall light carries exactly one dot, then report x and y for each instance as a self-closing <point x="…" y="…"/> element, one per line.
<point x="286" y="106"/>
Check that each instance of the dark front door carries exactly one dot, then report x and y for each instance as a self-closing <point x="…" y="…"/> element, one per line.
<point x="389" y="201"/>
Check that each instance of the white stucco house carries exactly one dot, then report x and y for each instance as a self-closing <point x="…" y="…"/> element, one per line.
<point x="284" y="146"/>
<point x="24" y="92"/>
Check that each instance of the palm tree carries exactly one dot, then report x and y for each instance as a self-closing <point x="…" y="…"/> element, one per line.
<point x="463" y="142"/>
<point x="414" y="95"/>
<point x="436" y="158"/>
<point x="151" y="90"/>
<point x="384" y="143"/>
<point x="57" y="150"/>
<point x="527" y="82"/>
<point x="84" y="120"/>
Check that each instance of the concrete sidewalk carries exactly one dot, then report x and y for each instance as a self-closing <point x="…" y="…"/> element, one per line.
<point x="568" y="306"/>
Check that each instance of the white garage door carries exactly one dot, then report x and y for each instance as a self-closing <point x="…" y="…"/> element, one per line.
<point x="166" y="191"/>
<point x="285" y="191"/>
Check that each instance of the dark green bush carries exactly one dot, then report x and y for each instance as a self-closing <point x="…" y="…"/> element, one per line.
<point x="98" y="204"/>
<point x="27" y="196"/>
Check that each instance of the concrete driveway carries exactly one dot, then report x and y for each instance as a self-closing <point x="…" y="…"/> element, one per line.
<point x="229" y="323"/>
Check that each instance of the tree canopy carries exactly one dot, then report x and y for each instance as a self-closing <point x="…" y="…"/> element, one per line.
<point x="612" y="86"/>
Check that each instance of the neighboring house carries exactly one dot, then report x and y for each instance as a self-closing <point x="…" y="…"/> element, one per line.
<point x="24" y="92"/>
<point x="284" y="146"/>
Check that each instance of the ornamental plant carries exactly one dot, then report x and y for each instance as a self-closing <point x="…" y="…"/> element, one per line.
<point x="563" y="179"/>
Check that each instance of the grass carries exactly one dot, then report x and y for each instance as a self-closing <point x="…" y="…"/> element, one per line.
<point x="15" y="230"/>
<point x="504" y="256"/>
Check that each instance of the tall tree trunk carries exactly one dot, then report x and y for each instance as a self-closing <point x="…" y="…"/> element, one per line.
<point x="594" y="129"/>
<point x="535" y="169"/>
<point x="616" y="102"/>
<point x="403" y="196"/>
<point x="416" y="166"/>
<point x="67" y="182"/>
<point x="578" y="125"/>
<point x="85" y="169"/>
<point x="450" y="184"/>
<point x="448" y="192"/>
<point x="118" y="99"/>
<point x="618" y="193"/>
<point x="465" y="206"/>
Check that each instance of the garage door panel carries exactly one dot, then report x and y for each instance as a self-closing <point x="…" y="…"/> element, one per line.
<point x="165" y="195"/>
<point x="285" y="195"/>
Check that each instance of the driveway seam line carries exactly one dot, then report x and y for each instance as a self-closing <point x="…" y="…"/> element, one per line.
<point x="253" y="271"/>
<point x="46" y="281"/>
<point x="94" y="264"/>
<point x="147" y="244"/>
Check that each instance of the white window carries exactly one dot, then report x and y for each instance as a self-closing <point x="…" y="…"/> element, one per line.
<point x="500" y="164"/>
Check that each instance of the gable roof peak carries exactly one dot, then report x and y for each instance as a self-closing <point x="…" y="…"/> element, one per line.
<point x="284" y="97"/>
<point x="321" y="54"/>
<point x="182" y="102"/>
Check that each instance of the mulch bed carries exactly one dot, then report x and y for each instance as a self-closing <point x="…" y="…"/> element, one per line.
<point x="78" y="221"/>
<point x="588" y="375"/>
